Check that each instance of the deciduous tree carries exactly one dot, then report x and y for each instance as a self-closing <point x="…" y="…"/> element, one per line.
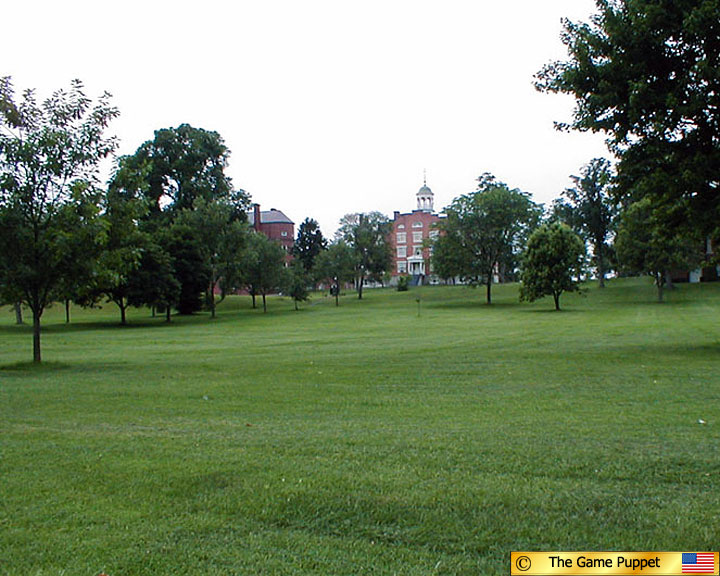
<point x="263" y="262"/>
<point x="335" y="266"/>
<point x="367" y="236"/>
<point x="49" y="158"/>
<point x="484" y="232"/>
<point x="180" y="165"/>
<point x="181" y="176"/>
<point x="153" y="283"/>
<point x="590" y="210"/>
<point x="190" y="267"/>
<point x="220" y="226"/>
<point x="645" y="73"/>
<point x="646" y="246"/>
<point x="295" y="283"/>
<point x="551" y="262"/>
<point x="121" y="251"/>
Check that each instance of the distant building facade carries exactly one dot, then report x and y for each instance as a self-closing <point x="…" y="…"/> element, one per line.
<point x="411" y="233"/>
<point x="275" y="225"/>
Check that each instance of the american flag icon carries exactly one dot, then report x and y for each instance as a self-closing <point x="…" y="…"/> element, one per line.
<point x="698" y="562"/>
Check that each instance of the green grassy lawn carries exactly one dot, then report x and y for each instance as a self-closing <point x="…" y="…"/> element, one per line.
<point x="365" y="439"/>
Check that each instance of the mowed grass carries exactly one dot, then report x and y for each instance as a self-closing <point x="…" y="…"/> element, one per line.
<point x="381" y="437"/>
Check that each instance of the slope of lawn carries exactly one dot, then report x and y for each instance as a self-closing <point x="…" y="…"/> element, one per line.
<point x="409" y="433"/>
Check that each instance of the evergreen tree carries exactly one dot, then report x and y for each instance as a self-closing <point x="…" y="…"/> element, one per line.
<point x="309" y="243"/>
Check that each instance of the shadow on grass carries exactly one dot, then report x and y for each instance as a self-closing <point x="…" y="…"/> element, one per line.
<point x="102" y="325"/>
<point x="472" y="305"/>
<point x="551" y="310"/>
<point x="30" y="367"/>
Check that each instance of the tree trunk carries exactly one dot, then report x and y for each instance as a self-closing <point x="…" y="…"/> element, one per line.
<point x="668" y="280"/>
<point x="252" y="293"/>
<point x="659" y="284"/>
<point x="601" y="265"/>
<point x="337" y="295"/>
<point x="18" y="313"/>
<point x="556" y="297"/>
<point x="360" y="286"/>
<point x="264" y="303"/>
<point x="152" y="309"/>
<point x="67" y="310"/>
<point x="167" y="313"/>
<point x="37" y="357"/>
<point x="489" y="284"/>
<point x="211" y="297"/>
<point x="296" y="306"/>
<point x="123" y="307"/>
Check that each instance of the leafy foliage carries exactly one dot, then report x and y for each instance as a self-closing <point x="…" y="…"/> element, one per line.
<point x="49" y="157"/>
<point x="221" y="229"/>
<point x="484" y="233"/>
<point x="403" y="283"/>
<point x="647" y="74"/>
<point x="179" y="166"/>
<point x="295" y="283"/>
<point x="645" y="246"/>
<point x="336" y="266"/>
<point x="262" y="266"/>
<point x="154" y="283"/>
<point x="180" y="177"/>
<point x="309" y="243"/>
<point x="590" y="209"/>
<point x="185" y="247"/>
<point x="367" y="236"/>
<point x="554" y="255"/>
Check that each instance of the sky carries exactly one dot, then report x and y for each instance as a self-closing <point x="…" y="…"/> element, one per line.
<point x="328" y="106"/>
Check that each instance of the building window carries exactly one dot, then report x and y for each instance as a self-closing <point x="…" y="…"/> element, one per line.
<point x="434" y="234"/>
<point x="402" y="251"/>
<point x="401" y="226"/>
<point x="402" y="267"/>
<point x="417" y="224"/>
<point x="417" y="237"/>
<point x="283" y="234"/>
<point x="417" y="250"/>
<point x="402" y="237"/>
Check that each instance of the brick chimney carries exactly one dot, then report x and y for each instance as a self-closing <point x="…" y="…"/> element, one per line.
<point x="256" y="217"/>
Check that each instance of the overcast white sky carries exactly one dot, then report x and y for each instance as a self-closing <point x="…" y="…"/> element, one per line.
<point x="328" y="106"/>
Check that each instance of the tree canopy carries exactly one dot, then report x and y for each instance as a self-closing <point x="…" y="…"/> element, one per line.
<point x="590" y="209"/>
<point x="178" y="166"/>
<point x="551" y="263"/>
<point x="263" y="264"/>
<point x="180" y="177"/>
<point x="484" y="232"/>
<point x="336" y="265"/>
<point x="647" y="74"/>
<point x="367" y="236"/>
<point x="645" y="246"/>
<point x="49" y="162"/>
<point x="309" y="243"/>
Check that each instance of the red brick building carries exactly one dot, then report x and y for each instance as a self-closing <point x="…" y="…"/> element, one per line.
<point x="409" y="234"/>
<point x="275" y="225"/>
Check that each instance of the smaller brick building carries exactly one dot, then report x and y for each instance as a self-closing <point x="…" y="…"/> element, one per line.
<point x="410" y="231"/>
<point x="275" y="225"/>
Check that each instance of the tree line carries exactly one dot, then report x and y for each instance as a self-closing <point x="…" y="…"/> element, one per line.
<point x="169" y="231"/>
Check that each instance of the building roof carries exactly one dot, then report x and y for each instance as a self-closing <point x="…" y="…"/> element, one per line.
<point x="271" y="216"/>
<point x="425" y="191"/>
